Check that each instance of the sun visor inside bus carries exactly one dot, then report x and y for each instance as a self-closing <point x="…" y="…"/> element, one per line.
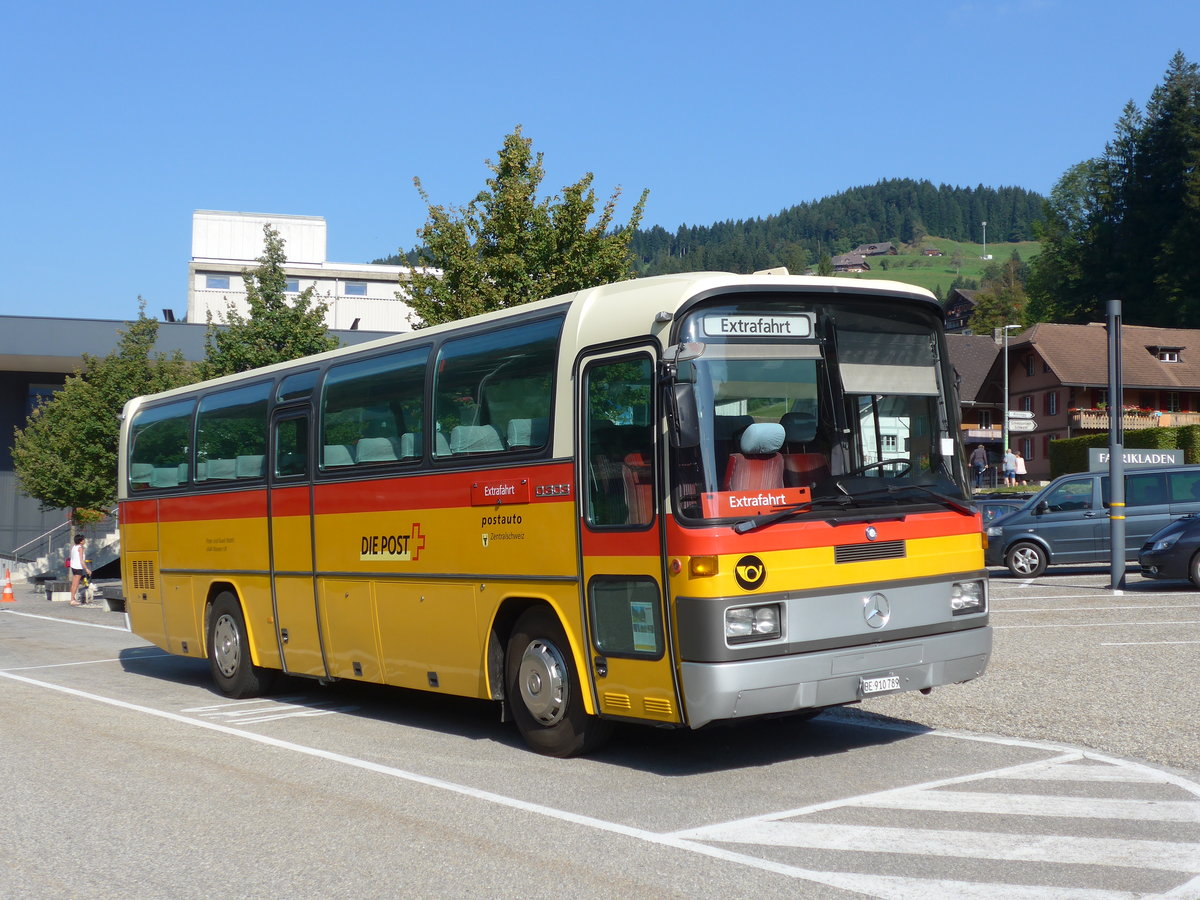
<point x="875" y="363"/>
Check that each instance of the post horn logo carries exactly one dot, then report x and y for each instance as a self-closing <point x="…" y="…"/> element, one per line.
<point x="750" y="573"/>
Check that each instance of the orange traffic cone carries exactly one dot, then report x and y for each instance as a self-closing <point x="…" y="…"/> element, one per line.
<point x="9" y="596"/>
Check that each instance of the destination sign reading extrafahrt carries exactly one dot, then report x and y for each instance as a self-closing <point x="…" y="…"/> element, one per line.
<point x="791" y="326"/>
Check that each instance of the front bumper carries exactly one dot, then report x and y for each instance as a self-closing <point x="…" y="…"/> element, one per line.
<point x="735" y="690"/>
<point x="1163" y="564"/>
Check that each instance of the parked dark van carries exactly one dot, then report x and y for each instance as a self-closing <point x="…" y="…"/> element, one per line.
<point x="1067" y="521"/>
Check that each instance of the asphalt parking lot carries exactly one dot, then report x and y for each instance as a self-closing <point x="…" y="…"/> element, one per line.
<point x="1077" y="662"/>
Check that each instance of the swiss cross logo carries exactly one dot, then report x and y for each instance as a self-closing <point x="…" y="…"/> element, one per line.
<point x="416" y="541"/>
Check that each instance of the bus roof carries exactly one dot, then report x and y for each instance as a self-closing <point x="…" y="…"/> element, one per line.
<point x="604" y="313"/>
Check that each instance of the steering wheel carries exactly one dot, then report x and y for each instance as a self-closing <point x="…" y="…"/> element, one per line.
<point x="898" y="461"/>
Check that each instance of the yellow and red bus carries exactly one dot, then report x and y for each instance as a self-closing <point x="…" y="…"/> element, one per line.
<point x="671" y="500"/>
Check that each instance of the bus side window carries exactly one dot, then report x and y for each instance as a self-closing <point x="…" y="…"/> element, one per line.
<point x="372" y="410"/>
<point x="494" y="390"/>
<point x="231" y="433"/>
<point x="158" y="446"/>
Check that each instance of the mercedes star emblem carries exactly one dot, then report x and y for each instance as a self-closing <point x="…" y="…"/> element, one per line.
<point x="877" y="610"/>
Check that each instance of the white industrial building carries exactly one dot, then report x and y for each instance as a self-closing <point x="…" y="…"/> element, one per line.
<point x="359" y="295"/>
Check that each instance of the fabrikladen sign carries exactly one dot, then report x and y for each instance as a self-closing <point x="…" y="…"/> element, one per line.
<point x="1098" y="458"/>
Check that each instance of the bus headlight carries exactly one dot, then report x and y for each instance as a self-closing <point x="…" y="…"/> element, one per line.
<point x="967" y="597"/>
<point x="752" y="623"/>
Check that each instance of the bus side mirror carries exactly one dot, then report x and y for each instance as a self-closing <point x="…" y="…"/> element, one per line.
<point x="685" y="421"/>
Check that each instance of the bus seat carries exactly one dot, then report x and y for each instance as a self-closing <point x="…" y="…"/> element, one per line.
<point x="760" y="464"/>
<point x="202" y="470"/>
<point x="802" y="469"/>
<point x="183" y="473"/>
<point x="164" y="476"/>
<point x="526" y="433"/>
<point x="139" y="475"/>
<point x="798" y="427"/>
<point x="474" y="439"/>
<point x="375" y="449"/>
<point x="410" y="445"/>
<point x="249" y="466"/>
<point x="441" y="445"/>
<point x="222" y="468"/>
<point x="338" y="455"/>
<point x="639" y="489"/>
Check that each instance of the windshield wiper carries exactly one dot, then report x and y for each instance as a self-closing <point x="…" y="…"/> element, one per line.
<point x="949" y="502"/>
<point x="788" y="511"/>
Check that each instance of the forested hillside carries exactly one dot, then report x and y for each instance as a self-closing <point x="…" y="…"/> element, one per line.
<point x="896" y="210"/>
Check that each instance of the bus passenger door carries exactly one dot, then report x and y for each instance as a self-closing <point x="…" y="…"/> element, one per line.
<point x="293" y="576"/>
<point x="629" y="647"/>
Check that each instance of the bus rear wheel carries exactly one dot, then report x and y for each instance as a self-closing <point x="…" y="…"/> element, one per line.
<point x="229" y="651"/>
<point x="544" y="690"/>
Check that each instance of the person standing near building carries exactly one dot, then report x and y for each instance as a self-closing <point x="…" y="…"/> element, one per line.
<point x="1010" y="467"/>
<point x="79" y="568"/>
<point x="1019" y="470"/>
<point x="979" y="463"/>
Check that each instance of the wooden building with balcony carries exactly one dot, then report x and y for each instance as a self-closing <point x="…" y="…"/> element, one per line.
<point x="1059" y="373"/>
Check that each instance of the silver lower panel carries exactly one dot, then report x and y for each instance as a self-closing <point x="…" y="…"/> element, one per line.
<point x="733" y="690"/>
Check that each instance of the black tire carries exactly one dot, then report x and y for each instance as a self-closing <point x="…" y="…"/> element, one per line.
<point x="543" y="689"/>
<point x="1194" y="570"/>
<point x="1026" y="559"/>
<point x="229" y="651"/>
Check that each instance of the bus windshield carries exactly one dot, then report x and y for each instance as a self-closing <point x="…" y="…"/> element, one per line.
<point x="798" y="402"/>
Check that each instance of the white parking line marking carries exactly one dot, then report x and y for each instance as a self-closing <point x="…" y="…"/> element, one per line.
<point x="1147" y="643"/>
<point x="1099" y="625"/>
<point x="1085" y="772"/>
<point x="978" y="802"/>
<point x="1136" y="854"/>
<point x="1074" y="609"/>
<point x="27" y="615"/>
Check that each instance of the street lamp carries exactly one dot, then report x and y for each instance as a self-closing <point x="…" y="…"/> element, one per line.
<point x="984" y="241"/>
<point x="1004" y="425"/>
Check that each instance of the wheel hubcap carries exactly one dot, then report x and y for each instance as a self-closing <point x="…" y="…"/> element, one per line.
<point x="1025" y="561"/>
<point x="227" y="647"/>
<point x="542" y="680"/>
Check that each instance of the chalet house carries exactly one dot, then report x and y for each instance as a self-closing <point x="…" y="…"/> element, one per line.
<point x="881" y="249"/>
<point x="973" y="356"/>
<point x="960" y="306"/>
<point x="931" y="251"/>
<point x="1060" y="374"/>
<point x="851" y="262"/>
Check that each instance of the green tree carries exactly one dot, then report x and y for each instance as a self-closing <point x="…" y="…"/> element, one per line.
<point x="507" y="247"/>
<point x="1001" y="299"/>
<point x="275" y="330"/>
<point x="825" y="264"/>
<point x="66" y="455"/>
<point x="1124" y="225"/>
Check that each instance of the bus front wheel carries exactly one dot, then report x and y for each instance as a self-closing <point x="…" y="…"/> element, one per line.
<point x="544" y="691"/>
<point x="229" y="651"/>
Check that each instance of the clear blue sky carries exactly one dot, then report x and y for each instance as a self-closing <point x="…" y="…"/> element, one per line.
<point x="120" y="119"/>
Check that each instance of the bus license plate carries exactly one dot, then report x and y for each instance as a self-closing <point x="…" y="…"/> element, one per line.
<point x="879" y="685"/>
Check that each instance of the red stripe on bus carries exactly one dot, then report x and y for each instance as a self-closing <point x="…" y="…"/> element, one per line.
<point x="198" y="508"/>
<point x="451" y="490"/>
<point x="291" y="501"/>
<point x="620" y="543"/>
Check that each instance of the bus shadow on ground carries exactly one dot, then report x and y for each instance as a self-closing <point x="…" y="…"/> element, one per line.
<point x="668" y="752"/>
